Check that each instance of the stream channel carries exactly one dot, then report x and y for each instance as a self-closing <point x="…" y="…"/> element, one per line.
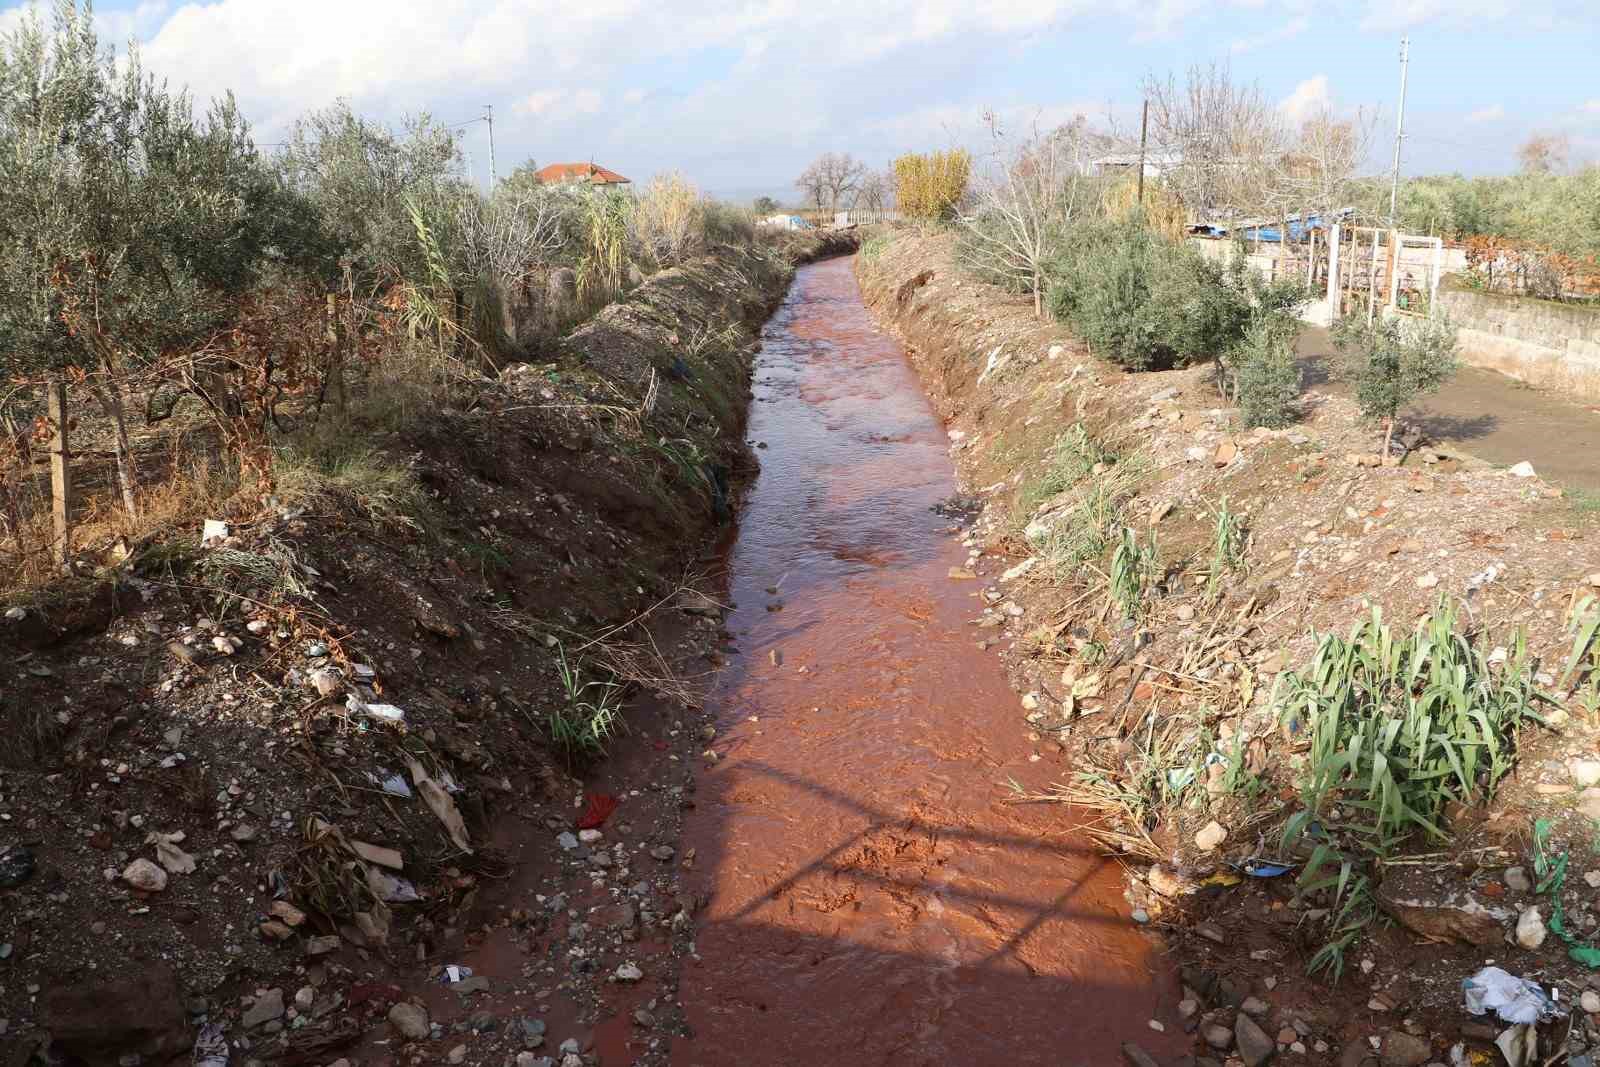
<point x="875" y="894"/>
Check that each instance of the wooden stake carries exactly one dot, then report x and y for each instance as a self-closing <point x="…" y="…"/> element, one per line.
<point x="60" y="468"/>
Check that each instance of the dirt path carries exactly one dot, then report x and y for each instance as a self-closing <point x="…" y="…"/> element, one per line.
<point x="1493" y="417"/>
<point x="873" y="897"/>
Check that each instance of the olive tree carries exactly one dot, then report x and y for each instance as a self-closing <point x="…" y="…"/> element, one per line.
<point x="125" y="221"/>
<point x="1392" y="362"/>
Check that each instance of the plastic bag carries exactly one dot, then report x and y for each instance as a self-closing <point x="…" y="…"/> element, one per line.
<point x="1515" y="1000"/>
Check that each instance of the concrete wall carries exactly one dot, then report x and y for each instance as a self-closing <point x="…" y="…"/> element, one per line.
<point x="1540" y="342"/>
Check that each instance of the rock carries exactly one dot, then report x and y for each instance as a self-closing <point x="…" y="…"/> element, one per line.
<point x="1217" y="1036"/>
<point x="102" y="1022"/>
<point x="1524" y="470"/>
<point x="1427" y="581"/>
<point x="1185" y="612"/>
<point x="410" y="1021"/>
<point x="1255" y="1045"/>
<point x="304" y="997"/>
<point x="961" y="574"/>
<point x="664" y="853"/>
<point x="268" y="1006"/>
<point x="1585" y="772"/>
<point x="629" y="972"/>
<point x="326" y="681"/>
<point x="1255" y="1006"/>
<point x="1401" y="1049"/>
<point x="567" y="841"/>
<point x="287" y="913"/>
<point x="146" y="876"/>
<point x="528" y="1059"/>
<point x="1439" y="914"/>
<point x="589" y="837"/>
<point x="1516" y="879"/>
<point x="1530" y="929"/>
<point x="321" y="946"/>
<point x="457" y="1054"/>
<point x="273" y="930"/>
<point x="1136" y="1056"/>
<point x="1589" y="803"/>
<point x="378" y="854"/>
<point x="1224" y="454"/>
<point x="1210" y="837"/>
<point x="1590" y="1001"/>
<point x="1167" y="882"/>
<point x="16" y="866"/>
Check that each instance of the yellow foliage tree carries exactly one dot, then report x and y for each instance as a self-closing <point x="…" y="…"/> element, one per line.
<point x="1163" y="211"/>
<point x="930" y="185"/>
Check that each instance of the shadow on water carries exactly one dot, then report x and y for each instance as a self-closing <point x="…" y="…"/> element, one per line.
<point x="872" y="894"/>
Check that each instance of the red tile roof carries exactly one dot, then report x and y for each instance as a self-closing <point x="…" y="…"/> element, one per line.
<point x="580" y="172"/>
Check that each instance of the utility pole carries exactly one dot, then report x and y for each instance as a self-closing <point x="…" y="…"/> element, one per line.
<point x="488" y="117"/>
<point x="1144" y="133"/>
<point x="1399" y="130"/>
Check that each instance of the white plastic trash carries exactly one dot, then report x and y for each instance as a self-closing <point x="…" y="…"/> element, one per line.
<point x="1515" y="1000"/>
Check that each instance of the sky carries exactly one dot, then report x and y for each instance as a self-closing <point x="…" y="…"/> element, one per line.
<point x="739" y="96"/>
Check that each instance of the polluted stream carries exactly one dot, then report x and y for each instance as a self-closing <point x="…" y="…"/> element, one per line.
<point x="874" y="894"/>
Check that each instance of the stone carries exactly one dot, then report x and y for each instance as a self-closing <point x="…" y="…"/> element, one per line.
<point x="629" y="972"/>
<point x="1585" y="772"/>
<point x="286" y="913"/>
<point x="1225" y="453"/>
<point x="528" y="1059"/>
<point x="1427" y="581"/>
<point x="410" y="1021"/>
<point x="1185" y="612"/>
<point x="1439" y="913"/>
<point x="1590" y="1001"/>
<point x="567" y="841"/>
<point x="962" y="574"/>
<point x="321" y="946"/>
<point x="589" y="837"/>
<point x="304" y="997"/>
<point x="1589" y="803"/>
<point x="457" y="1054"/>
<point x="1210" y="837"/>
<point x="1255" y="1045"/>
<point x="378" y="854"/>
<point x="1516" y="879"/>
<point x="1255" y="1006"/>
<point x="1524" y="470"/>
<point x="98" y="1022"/>
<point x="1136" y="1056"/>
<point x="1530" y="929"/>
<point x="146" y="876"/>
<point x="1217" y="1036"/>
<point x="1167" y="882"/>
<point x="326" y="681"/>
<point x="1401" y="1049"/>
<point x="664" y="853"/>
<point x="268" y="1006"/>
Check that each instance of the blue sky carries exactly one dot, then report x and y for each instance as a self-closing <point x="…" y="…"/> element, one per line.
<point x="740" y="95"/>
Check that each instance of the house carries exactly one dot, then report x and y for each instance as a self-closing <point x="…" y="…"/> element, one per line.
<point x="561" y="173"/>
<point x="1128" y="163"/>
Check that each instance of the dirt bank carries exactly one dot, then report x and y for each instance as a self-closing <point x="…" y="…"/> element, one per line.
<point x="271" y="784"/>
<point x="1168" y="723"/>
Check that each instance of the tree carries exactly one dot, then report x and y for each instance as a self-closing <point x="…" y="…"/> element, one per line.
<point x="876" y="191"/>
<point x="1219" y="140"/>
<point x="932" y="185"/>
<point x="1393" y="362"/>
<point x="1545" y="153"/>
<point x="125" y="222"/>
<point x="829" y="178"/>
<point x="765" y="205"/>
<point x="1033" y="192"/>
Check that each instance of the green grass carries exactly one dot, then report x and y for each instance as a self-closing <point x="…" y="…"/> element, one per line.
<point x="1400" y="726"/>
<point x="589" y="715"/>
<point x="1227" y="547"/>
<point x="1071" y="459"/>
<point x="1133" y="568"/>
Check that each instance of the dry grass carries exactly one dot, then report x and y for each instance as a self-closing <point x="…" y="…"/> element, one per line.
<point x="669" y="218"/>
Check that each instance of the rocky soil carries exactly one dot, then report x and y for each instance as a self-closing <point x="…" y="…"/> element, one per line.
<point x="289" y="794"/>
<point x="1335" y="531"/>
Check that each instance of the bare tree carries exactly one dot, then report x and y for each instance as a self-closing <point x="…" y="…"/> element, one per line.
<point x="1219" y="139"/>
<point x="1033" y="189"/>
<point x="875" y="190"/>
<point x="1545" y="153"/>
<point x="829" y="178"/>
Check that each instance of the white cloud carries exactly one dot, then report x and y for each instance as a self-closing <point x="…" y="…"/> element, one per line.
<point x="1309" y="97"/>
<point x="1288" y="31"/>
<point x="1492" y="113"/>
<point x="1591" y="107"/>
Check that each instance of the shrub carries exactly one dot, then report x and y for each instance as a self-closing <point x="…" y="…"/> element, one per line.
<point x="727" y="224"/>
<point x="1266" y="376"/>
<point x="931" y="185"/>
<point x="668" y="220"/>
<point x="1393" y="362"/>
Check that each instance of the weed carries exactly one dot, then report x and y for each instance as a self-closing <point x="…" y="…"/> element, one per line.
<point x="1353" y="906"/>
<point x="1133" y="567"/>
<point x="1227" y="547"/>
<point x="590" y="712"/>
<point x="1071" y="459"/>
<point x="332" y="464"/>
<point x="1403" y="725"/>
<point x="1082" y="535"/>
<point x="872" y="248"/>
<point x="1583" y="663"/>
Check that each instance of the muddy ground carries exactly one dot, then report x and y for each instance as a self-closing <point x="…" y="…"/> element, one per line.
<point x="1334" y="533"/>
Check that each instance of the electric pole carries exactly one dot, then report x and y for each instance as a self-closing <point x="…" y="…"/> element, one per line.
<point x="1144" y="131"/>
<point x="1399" y="130"/>
<point x="488" y="116"/>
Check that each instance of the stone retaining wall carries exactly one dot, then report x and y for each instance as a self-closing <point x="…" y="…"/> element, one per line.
<point x="1537" y="341"/>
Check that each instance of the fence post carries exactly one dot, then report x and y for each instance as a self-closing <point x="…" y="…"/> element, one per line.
<point x="60" y="468"/>
<point x="1335" y="291"/>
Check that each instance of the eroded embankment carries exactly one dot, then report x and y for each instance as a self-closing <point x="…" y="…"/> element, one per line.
<point x="275" y="783"/>
<point x="1153" y="698"/>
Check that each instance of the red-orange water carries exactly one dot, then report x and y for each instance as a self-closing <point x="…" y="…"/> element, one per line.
<point x="875" y="898"/>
